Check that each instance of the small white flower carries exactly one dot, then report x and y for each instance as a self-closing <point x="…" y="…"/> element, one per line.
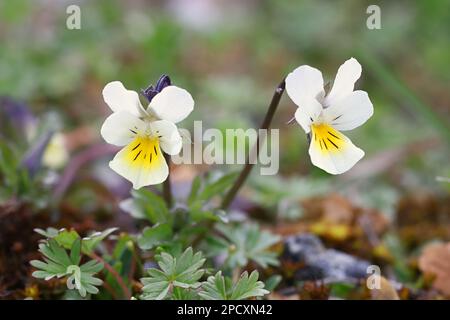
<point x="56" y="154"/>
<point x="144" y="132"/>
<point x="325" y="116"/>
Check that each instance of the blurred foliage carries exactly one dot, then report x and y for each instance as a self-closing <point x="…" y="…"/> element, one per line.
<point x="233" y="63"/>
<point x="225" y="65"/>
<point x="230" y="55"/>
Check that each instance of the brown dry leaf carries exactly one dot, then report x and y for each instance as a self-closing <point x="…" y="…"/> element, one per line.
<point x="414" y="235"/>
<point x="31" y="291"/>
<point x="416" y="208"/>
<point x="423" y="216"/>
<point x="341" y="224"/>
<point x="375" y="219"/>
<point x="287" y="229"/>
<point x="435" y="260"/>
<point x="333" y="209"/>
<point x="279" y="296"/>
<point x="314" y="291"/>
<point x="386" y="291"/>
<point x="337" y="210"/>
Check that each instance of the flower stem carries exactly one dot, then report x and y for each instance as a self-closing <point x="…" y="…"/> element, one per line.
<point x="115" y="274"/>
<point x="229" y="197"/>
<point x="167" y="190"/>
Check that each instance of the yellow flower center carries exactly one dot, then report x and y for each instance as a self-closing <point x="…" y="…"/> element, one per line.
<point x="144" y="151"/>
<point x="327" y="139"/>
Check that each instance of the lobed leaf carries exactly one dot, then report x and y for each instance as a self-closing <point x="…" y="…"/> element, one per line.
<point x="182" y="271"/>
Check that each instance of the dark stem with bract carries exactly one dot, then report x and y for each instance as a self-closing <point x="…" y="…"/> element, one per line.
<point x="229" y="197"/>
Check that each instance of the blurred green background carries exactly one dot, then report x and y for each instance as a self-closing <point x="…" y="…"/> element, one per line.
<point x="231" y="55"/>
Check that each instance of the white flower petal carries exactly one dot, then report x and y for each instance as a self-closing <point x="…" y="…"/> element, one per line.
<point x="350" y="112"/>
<point x="168" y="135"/>
<point x="332" y="151"/>
<point x="344" y="83"/>
<point x="141" y="162"/>
<point x="118" y="98"/>
<point x="172" y="103"/>
<point x="304" y="84"/>
<point x="121" y="128"/>
<point x="308" y="113"/>
<point x="56" y="154"/>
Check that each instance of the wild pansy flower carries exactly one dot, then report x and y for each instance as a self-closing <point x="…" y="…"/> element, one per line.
<point x="145" y="133"/>
<point x="56" y="154"/>
<point x="323" y="117"/>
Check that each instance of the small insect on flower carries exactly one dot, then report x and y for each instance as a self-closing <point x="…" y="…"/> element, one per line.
<point x="145" y="133"/>
<point x="323" y="117"/>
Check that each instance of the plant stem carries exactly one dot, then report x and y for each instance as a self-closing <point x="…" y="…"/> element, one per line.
<point x="114" y="273"/>
<point x="236" y="274"/>
<point x="110" y="290"/>
<point x="231" y="194"/>
<point x="167" y="189"/>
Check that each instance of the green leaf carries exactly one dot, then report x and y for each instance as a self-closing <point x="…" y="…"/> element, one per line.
<point x="92" y="241"/>
<point x="84" y="282"/>
<point x="92" y="266"/>
<point x="8" y="166"/>
<point x="195" y="188"/>
<point x="154" y="236"/>
<point x="182" y="271"/>
<point x="124" y="252"/>
<point x="243" y="243"/>
<point x="59" y="264"/>
<point x="75" y="252"/>
<point x="341" y="289"/>
<point x="217" y="187"/>
<point x="198" y="214"/>
<point x="197" y="199"/>
<point x="154" y="207"/>
<point x="248" y="286"/>
<point x="273" y="281"/>
<point x="48" y="233"/>
<point x="184" y="294"/>
<point x="218" y="287"/>
<point x="66" y="238"/>
<point x="57" y="253"/>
